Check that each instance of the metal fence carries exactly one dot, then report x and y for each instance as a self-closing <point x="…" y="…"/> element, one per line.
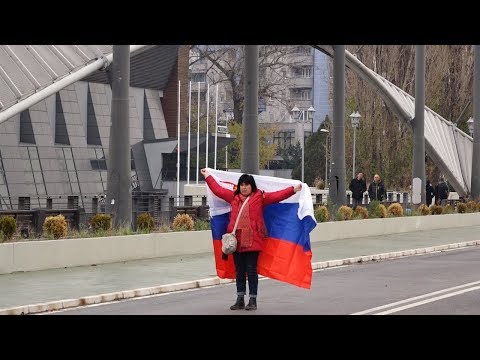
<point x="30" y="212"/>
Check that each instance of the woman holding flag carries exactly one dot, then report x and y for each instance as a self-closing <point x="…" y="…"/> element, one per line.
<point x="251" y="230"/>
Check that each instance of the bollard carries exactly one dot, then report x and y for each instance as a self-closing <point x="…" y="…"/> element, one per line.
<point x="405" y="200"/>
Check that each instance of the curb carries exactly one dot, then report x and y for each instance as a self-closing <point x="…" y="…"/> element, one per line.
<point x="187" y="285"/>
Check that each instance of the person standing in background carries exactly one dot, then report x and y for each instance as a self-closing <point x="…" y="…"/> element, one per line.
<point x="429" y="193"/>
<point x="441" y="192"/>
<point x="376" y="189"/>
<point x="357" y="186"/>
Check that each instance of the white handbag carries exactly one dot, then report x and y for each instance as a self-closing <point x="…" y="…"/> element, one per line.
<point x="229" y="240"/>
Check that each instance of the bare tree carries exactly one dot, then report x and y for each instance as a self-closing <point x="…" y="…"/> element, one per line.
<point x="226" y="65"/>
<point x="384" y="142"/>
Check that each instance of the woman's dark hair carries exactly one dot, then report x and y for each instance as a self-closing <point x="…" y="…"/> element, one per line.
<point x="248" y="180"/>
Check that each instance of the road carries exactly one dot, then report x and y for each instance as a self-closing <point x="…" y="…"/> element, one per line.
<point x="441" y="283"/>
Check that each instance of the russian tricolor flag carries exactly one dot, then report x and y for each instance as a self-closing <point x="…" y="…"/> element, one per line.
<point x="287" y="255"/>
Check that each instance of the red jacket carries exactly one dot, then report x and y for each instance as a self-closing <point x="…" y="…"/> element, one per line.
<point x="256" y="203"/>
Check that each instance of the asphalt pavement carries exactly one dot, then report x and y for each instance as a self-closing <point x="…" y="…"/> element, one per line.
<point x="54" y="289"/>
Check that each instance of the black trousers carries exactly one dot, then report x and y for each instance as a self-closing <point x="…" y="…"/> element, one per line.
<point x="246" y="265"/>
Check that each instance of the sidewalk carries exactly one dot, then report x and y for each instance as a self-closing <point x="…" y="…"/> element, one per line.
<point x="74" y="283"/>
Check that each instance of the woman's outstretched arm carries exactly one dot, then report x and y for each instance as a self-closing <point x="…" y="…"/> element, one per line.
<point x="217" y="189"/>
<point x="277" y="196"/>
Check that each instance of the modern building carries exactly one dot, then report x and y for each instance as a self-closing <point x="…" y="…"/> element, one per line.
<point x="55" y="152"/>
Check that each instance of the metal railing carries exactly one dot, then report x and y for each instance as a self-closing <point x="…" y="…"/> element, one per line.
<point x="29" y="215"/>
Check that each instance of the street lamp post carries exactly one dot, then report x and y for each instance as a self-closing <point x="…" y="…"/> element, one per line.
<point x="326" y="155"/>
<point x="304" y="113"/>
<point x="355" y="117"/>
<point x="470" y="126"/>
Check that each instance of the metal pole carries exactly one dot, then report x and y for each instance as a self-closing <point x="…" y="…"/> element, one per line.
<point x="207" y="133"/>
<point x="303" y="145"/>
<point x="353" y="168"/>
<point x="476" y="127"/>
<point x="250" y="148"/>
<point x="198" y="130"/>
<point x="337" y="188"/>
<point x="119" y="190"/>
<point x="418" y="125"/>
<point x="216" y="128"/>
<point x="226" y="147"/>
<point x="189" y="127"/>
<point x="326" y="161"/>
<point x="178" y="146"/>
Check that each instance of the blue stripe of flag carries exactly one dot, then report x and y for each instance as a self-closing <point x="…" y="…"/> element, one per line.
<point x="282" y="222"/>
<point x="219" y="225"/>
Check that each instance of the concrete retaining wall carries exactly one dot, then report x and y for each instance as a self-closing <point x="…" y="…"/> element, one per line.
<point x="50" y="254"/>
<point x="374" y="227"/>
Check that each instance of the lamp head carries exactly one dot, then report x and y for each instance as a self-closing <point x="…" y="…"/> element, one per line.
<point x="296" y="112"/>
<point x="310" y="112"/>
<point x="355" y="117"/>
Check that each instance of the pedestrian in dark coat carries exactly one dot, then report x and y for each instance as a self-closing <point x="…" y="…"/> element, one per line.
<point x="376" y="189"/>
<point x="357" y="186"/>
<point x="429" y="193"/>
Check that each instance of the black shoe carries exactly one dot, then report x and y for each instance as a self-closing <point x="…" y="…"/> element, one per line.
<point x="252" y="304"/>
<point x="239" y="304"/>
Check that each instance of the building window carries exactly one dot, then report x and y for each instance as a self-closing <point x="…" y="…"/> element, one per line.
<point x="303" y="50"/>
<point x="72" y="202"/>
<point x="98" y="164"/>
<point x="284" y="139"/>
<point x="203" y="96"/>
<point x="306" y="94"/>
<point x="306" y="72"/>
<point x="301" y="94"/>
<point x="24" y="203"/>
<point x="93" y="134"/>
<point x="61" y="133"/>
<point x="199" y="77"/>
<point x="169" y="168"/>
<point x="26" y="128"/>
<point x="302" y="72"/>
